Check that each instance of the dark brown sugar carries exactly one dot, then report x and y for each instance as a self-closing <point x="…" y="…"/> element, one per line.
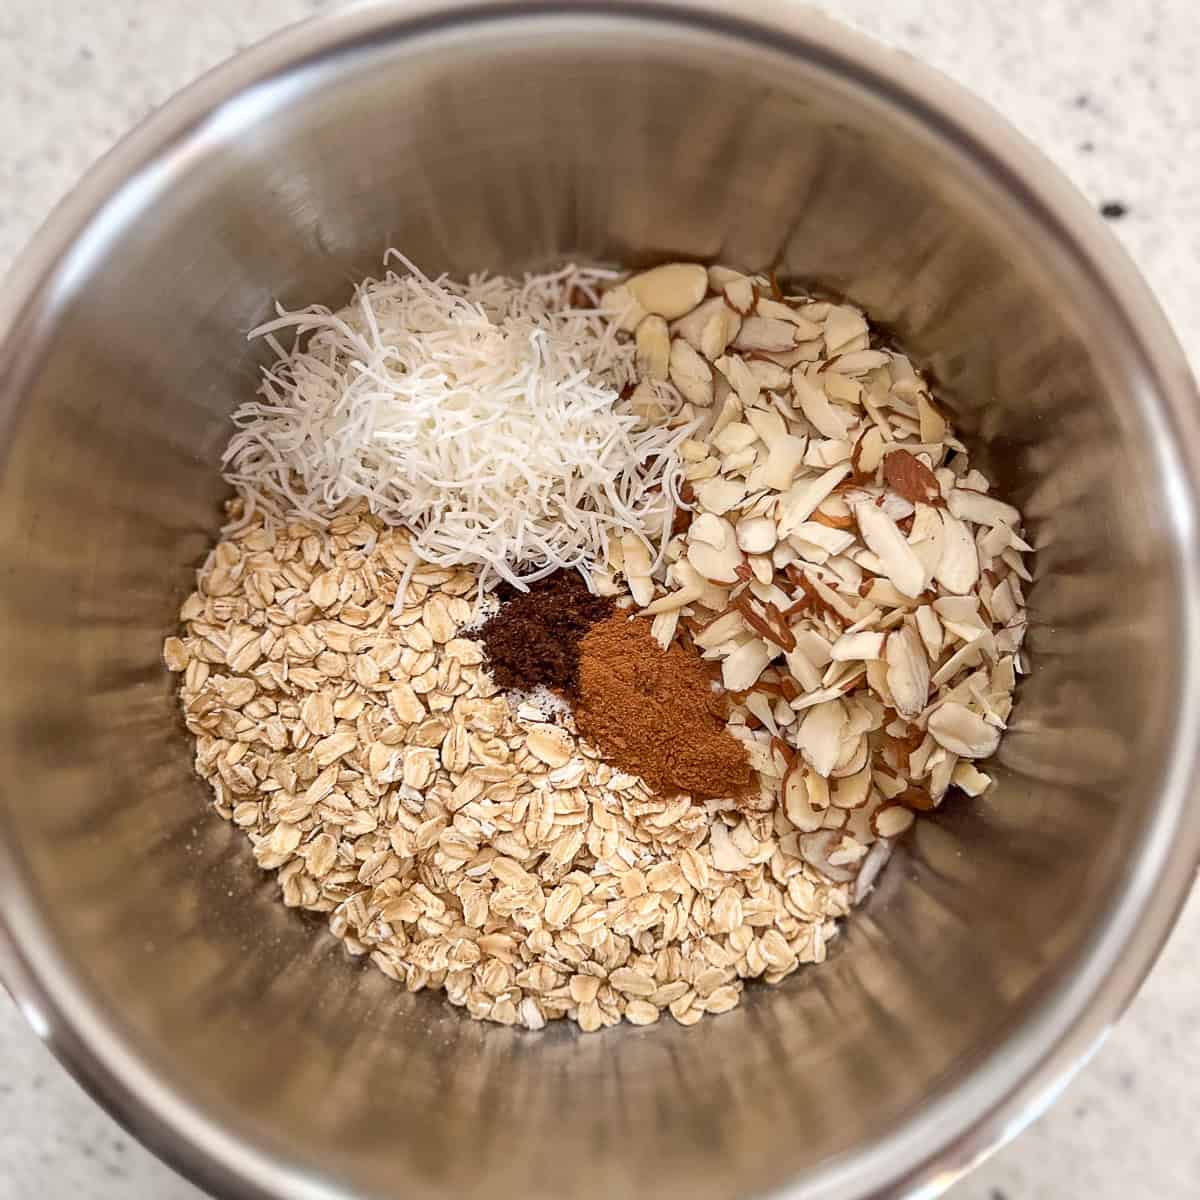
<point x="533" y="641"/>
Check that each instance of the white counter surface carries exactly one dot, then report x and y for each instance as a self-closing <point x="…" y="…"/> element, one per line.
<point x="1109" y="89"/>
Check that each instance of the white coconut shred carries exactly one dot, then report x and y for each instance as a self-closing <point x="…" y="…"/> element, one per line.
<point x="487" y="418"/>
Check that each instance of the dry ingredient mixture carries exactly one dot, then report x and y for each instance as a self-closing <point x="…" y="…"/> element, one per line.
<point x="686" y="475"/>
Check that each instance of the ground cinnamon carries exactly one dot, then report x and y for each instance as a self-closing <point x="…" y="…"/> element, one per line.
<point x="653" y="713"/>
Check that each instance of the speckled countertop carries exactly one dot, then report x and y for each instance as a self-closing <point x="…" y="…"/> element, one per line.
<point x="1108" y="89"/>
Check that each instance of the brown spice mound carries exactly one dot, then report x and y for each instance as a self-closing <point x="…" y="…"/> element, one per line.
<point x="653" y="713"/>
<point x="533" y="641"/>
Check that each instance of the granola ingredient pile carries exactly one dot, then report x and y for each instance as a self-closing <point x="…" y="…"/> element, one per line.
<point x="792" y="622"/>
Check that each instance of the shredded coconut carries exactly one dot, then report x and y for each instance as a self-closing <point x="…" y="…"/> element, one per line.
<point x="486" y="417"/>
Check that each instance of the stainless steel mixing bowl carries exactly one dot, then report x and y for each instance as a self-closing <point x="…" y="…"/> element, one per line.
<point x="232" y="1035"/>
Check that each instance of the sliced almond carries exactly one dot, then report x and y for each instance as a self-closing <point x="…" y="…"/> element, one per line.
<point x="818" y="790"/>
<point x="992" y="542"/>
<point x="735" y="436"/>
<point x="916" y="798"/>
<point x="720" y="495"/>
<point x="930" y="629"/>
<point x="784" y="457"/>
<point x="858" y="647"/>
<point x="908" y="672"/>
<point x="673" y="601"/>
<point x="970" y="779"/>
<point x="837" y="819"/>
<point x="743" y="667"/>
<point x="847" y="853"/>
<point x="962" y="731"/>
<point x="739" y="462"/>
<point x="959" y="610"/>
<point x="767" y="422"/>
<point x="848" y="611"/>
<point x="714" y="596"/>
<point x="653" y="348"/>
<point x="719" y="276"/>
<point x="819" y="738"/>
<point x="815" y="405"/>
<point x="729" y="406"/>
<point x="909" y="477"/>
<point x="806" y="330"/>
<point x="761" y="568"/>
<point x="933" y="424"/>
<point x="796" y="802"/>
<point x="725" y="627"/>
<point x="855" y="750"/>
<point x="622" y="306"/>
<point x="983" y="510"/>
<point x="970" y="654"/>
<point x="635" y="556"/>
<point x="771" y="376"/>
<point x="759" y="705"/>
<point x="691" y="325"/>
<point x="741" y="378"/>
<point x="925" y="537"/>
<point x="765" y="333"/>
<point x="858" y="362"/>
<point x="756" y="535"/>
<point x="958" y="568"/>
<point x="801" y="499"/>
<point x="829" y="494"/>
<point x="671" y="290"/>
<point x="868" y="453"/>
<point x="815" y="849"/>
<point x="804" y="671"/>
<point x="1012" y="560"/>
<point x="817" y="533"/>
<point x="690" y="374"/>
<point x="710" y="529"/>
<point x="719" y="330"/>
<point x="941" y="769"/>
<point x="717" y="564"/>
<point x="892" y="820"/>
<point x="1002" y="603"/>
<point x="843" y="325"/>
<point x="739" y="295"/>
<point x="868" y="873"/>
<point x="827" y="452"/>
<point x="852" y="791"/>
<point x="842" y="388"/>
<point x="889" y="545"/>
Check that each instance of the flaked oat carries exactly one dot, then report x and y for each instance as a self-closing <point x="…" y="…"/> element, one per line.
<point x="461" y="845"/>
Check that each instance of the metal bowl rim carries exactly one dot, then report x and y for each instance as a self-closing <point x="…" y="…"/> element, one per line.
<point x="928" y="1152"/>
